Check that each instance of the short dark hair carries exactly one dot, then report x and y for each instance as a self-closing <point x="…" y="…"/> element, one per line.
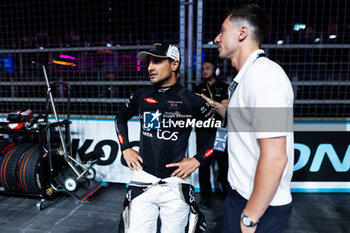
<point x="256" y="17"/>
<point x="210" y="61"/>
<point x="177" y="71"/>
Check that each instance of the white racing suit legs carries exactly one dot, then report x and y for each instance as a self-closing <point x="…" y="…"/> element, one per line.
<point x="171" y="199"/>
<point x="164" y="199"/>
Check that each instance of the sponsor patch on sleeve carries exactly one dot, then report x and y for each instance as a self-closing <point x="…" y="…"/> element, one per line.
<point x="208" y="153"/>
<point x="120" y="138"/>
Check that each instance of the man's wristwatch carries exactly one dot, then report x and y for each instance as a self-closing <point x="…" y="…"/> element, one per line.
<point x="247" y="221"/>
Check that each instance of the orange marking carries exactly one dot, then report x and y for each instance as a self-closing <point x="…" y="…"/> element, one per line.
<point x="64" y="63"/>
<point x="9" y="154"/>
<point x="27" y="156"/>
<point x="7" y="148"/>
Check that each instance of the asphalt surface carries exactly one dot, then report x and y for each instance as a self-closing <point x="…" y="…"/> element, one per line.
<point x="321" y="213"/>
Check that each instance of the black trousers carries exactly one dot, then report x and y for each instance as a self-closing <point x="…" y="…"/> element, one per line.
<point x="204" y="170"/>
<point x="274" y="219"/>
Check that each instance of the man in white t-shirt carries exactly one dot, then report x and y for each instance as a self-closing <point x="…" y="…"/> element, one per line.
<point x="260" y="121"/>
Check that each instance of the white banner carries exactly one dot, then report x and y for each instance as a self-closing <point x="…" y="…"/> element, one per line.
<point x="96" y="134"/>
<point x="110" y="169"/>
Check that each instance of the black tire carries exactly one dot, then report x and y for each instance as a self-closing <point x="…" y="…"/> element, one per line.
<point x="8" y="168"/>
<point x="28" y="172"/>
<point x="5" y="145"/>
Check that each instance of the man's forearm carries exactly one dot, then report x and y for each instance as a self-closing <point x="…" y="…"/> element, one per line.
<point x="267" y="179"/>
<point x="220" y="109"/>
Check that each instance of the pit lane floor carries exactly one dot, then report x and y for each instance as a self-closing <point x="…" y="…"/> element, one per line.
<point x="321" y="213"/>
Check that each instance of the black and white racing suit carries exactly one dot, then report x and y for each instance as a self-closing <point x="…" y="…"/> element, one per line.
<point x="167" y="116"/>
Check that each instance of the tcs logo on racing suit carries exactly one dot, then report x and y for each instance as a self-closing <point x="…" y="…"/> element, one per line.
<point x="167" y="135"/>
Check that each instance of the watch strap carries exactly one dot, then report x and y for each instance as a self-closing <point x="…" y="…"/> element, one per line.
<point x="247" y="221"/>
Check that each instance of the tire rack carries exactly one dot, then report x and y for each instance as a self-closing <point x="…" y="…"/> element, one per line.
<point x="51" y="177"/>
<point x="45" y="160"/>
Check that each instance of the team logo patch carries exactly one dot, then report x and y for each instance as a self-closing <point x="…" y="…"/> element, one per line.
<point x="208" y="153"/>
<point x="151" y="120"/>
<point x="120" y="138"/>
<point x="151" y="100"/>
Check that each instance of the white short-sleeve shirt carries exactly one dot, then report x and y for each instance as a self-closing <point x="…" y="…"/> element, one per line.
<point x="262" y="94"/>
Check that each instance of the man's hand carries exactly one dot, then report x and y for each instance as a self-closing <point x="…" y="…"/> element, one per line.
<point x="219" y="108"/>
<point x="133" y="159"/>
<point x="247" y="229"/>
<point x="211" y="102"/>
<point x="185" y="167"/>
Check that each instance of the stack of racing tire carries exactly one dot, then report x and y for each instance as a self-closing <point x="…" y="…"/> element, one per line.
<point x="20" y="167"/>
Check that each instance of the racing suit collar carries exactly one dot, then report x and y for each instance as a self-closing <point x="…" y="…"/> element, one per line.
<point x="168" y="89"/>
